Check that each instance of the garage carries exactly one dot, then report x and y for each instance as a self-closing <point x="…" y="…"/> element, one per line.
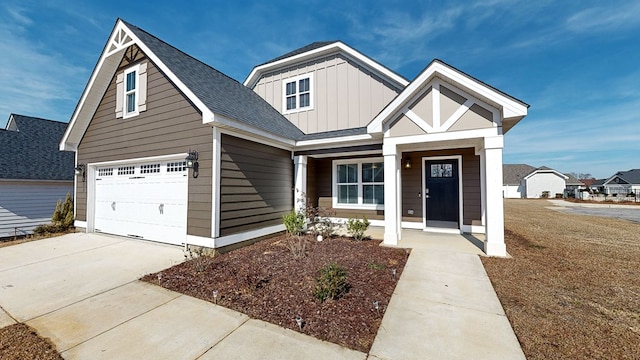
<point x="142" y="200"/>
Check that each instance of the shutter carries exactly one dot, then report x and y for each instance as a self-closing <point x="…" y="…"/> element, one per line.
<point x="142" y="88"/>
<point x="119" y="94"/>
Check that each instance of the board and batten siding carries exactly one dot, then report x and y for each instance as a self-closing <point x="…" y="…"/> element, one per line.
<point x="170" y="125"/>
<point x="25" y="205"/>
<point x="412" y="185"/>
<point x="345" y="95"/>
<point x="256" y="185"/>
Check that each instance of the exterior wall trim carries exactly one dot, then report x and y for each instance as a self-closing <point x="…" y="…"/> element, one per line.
<point x="247" y="235"/>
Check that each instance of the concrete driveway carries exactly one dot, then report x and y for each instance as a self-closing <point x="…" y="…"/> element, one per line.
<point x="81" y="291"/>
<point x="609" y="210"/>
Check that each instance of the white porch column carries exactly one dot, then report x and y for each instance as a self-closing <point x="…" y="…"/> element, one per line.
<point x="494" y="245"/>
<point x="300" y="197"/>
<point x="391" y="198"/>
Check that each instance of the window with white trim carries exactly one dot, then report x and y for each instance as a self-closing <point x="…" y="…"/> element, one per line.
<point x="126" y="170"/>
<point x="358" y="183"/>
<point x="131" y="91"/>
<point x="297" y="93"/>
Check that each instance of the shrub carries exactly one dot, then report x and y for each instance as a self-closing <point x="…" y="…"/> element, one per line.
<point x="331" y="282"/>
<point x="198" y="255"/>
<point x="61" y="220"/>
<point x="294" y="222"/>
<point x="298" y="246"/>
<point x="357" y="227"/>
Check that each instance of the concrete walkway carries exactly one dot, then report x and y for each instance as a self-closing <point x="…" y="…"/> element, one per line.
<point x="444" y="306"/>
<point x="80" y="290"/>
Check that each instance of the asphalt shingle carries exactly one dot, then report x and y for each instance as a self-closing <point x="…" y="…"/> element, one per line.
<point x="220" y="93"/>
<point x="31" y="152"/>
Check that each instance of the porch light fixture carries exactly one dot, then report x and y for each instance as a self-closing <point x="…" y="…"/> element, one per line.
<point x="81" y="170"/>
<point x="407" y="163"/>
<point x="192" y="162"/>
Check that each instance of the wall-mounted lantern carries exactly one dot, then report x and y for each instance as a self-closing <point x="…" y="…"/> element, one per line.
<point x="192" y="162"/>
<point x="407" y="163"/>
<point x="81" y="169"/>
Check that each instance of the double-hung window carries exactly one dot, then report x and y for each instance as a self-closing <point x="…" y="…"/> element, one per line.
<point x="358" y="183"/>
<point x="131" y="91"/>
<point x="297" y="93"/>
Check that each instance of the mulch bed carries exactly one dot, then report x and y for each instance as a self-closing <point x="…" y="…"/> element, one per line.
<point x="267" y="282"/>
<point x="19" y="341"/>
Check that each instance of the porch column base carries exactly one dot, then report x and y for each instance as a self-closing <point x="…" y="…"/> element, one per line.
<point x="391" y="238"/>
<point x="495" y="249"/>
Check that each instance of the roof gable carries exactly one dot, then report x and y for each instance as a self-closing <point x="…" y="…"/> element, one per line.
<point x="513" y="173"/>
<point x="630" y="177"/>
<point x="546" y="170"/>
<point x="220" y="99"/>
<point x="512" y="109"/>
<point x="29" y="148"/>
<point x="320" y="49"/>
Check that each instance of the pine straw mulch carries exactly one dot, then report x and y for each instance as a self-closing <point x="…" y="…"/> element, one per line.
<point x="19" y="341"/>
<point x="572" y="288"/>
<point x="266" y="282"/>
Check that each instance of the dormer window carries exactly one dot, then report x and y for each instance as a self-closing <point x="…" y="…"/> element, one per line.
<point x="297" y="93"/>
<point x="131" y="91"/>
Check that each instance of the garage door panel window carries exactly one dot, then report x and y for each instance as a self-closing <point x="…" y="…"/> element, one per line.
<point x="105" y="172"/>
<point x="179" y="166"/>
<point x="126" y="170"/>
<point x="150" y="169"/>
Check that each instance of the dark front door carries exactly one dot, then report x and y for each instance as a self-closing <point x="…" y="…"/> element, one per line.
<point x="442" y="192"/>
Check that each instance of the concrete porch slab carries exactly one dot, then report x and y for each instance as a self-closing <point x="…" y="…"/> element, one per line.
<point x="257" y="339"/>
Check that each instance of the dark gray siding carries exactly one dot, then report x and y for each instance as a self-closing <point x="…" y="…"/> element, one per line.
<point x="412" y="185"/>
<point x="256" y="185"/>
<point x="170" y="125"/>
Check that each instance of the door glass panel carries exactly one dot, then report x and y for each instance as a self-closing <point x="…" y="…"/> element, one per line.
<point x="441" y="170"/>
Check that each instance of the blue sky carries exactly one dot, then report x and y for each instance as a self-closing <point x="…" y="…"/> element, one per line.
<point x="577" y="63"/>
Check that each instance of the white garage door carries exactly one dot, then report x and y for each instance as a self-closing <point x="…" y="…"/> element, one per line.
<point x="146" y="200"/>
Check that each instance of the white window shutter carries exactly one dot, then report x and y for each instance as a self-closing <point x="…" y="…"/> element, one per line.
<point x="119" y="94"/>
<point x="142" y="88"/>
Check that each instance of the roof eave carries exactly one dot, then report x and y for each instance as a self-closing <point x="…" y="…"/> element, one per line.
<point x="101" y="78"/>
<point x="337" y="46"/>
<point x="511" y="107"/>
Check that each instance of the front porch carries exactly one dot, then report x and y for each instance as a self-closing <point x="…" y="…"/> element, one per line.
<point x="432" y="241"/>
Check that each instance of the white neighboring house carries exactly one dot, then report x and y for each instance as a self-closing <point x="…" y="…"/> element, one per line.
<point x="526" y="181"/>
<point x="34" y="174"/>
<point x="623" y="183"/>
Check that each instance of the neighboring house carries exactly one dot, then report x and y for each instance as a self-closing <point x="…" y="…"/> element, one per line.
<point x="623" y="183"/>
<point x="526" y="181"/>
<point x="34" y="173"/>
<point x="514" y="186"/>
<point x="323" y="122"/>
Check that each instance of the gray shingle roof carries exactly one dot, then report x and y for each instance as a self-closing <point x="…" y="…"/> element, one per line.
<point x="631" y="176"/>
<point x="220" y="93"/>
<point x="32" y="153"/>
<point x="335" y="133"/>
<point x="513" y="173"/>
<point x="304" y="49"/>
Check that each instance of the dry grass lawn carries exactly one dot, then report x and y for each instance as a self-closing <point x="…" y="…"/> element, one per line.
<point x="572" y="288"/>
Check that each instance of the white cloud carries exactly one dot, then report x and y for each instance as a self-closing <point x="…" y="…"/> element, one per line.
<point x="609" y="17"/>
<point x="34" y="81"/>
